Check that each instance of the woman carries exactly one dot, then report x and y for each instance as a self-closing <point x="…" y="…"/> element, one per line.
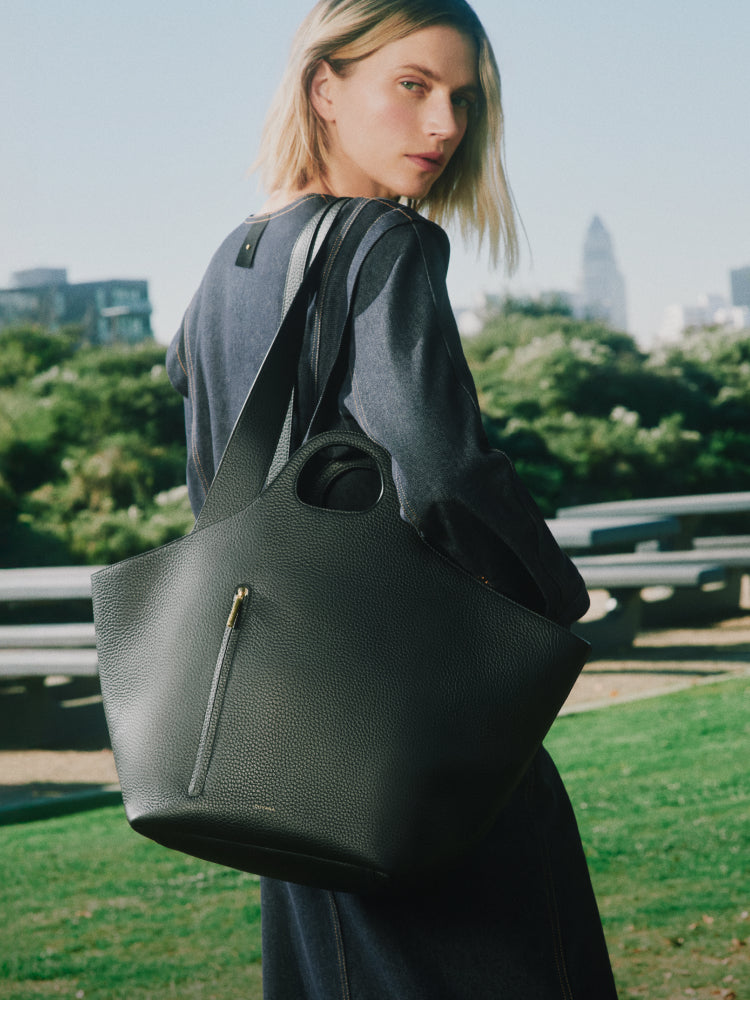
<point x="398" y="101"/>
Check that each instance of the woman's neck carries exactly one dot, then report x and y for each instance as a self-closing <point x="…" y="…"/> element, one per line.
<point x="281" y="198"/>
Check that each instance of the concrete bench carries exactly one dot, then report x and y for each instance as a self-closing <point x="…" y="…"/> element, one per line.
<point x="735" y="542"/>
<point x="64" y="582"/>
<point x="591" y="534"/>
<point x="629" y="571"/>
<point x="626" y="576"/>
<point x="18" y="664"/>
<point x="46" y="650"/>
<point x="719" y="503"/>
<point x="691" y="510"/>
<point x="682" y="604"/>
<point x="688" y="603"/>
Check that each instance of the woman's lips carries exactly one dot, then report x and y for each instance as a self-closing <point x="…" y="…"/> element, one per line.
<point x="427" y="162"/>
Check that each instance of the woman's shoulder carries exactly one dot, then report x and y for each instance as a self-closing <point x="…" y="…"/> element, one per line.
<point x="371" y="218"/>
<point x="386" y="215"/>
<point x="372" y="236"/>
<point x="388" y="232"/>
<point x="279" y="226"/>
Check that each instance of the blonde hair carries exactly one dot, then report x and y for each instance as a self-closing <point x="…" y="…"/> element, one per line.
<point x="472" y="191"/>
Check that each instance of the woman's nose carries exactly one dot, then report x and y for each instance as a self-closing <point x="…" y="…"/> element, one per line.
<point x="444" y="119"/>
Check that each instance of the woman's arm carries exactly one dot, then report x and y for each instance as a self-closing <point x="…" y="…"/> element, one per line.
<point x="409" y="388"/>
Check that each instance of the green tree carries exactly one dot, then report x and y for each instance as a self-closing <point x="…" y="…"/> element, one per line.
<point x="90" y="439"/>
<point x="586" y="415"/>
<point x="28" y="350"/>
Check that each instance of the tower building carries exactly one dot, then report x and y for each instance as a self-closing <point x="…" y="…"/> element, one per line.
<point x="602" y="293"/>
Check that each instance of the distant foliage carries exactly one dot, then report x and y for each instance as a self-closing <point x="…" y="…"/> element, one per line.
<point x="92" y="450"/>
<point x="91" y="438"/>
<point x="586" y="416"/>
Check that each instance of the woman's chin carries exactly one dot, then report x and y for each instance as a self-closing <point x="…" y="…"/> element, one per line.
<point x="417" y="191"/>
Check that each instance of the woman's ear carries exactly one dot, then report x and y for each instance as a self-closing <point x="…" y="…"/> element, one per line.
<point x="321" y="92"/>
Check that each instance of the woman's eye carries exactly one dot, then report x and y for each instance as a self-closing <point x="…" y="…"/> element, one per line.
<point x="411" y="85"/>
<point x="462" y="102"/>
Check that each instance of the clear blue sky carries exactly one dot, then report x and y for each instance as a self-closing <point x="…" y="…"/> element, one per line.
<point x="128" y="128"/>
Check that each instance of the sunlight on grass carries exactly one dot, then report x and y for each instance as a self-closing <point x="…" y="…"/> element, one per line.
<point x="91" y="910"/>
<point x="661" y="792"/>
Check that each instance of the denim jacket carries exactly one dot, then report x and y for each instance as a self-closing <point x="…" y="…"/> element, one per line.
<point x="403" y="380"/>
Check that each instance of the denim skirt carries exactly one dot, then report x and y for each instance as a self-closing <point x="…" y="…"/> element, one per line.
<point x="516" y="920"/>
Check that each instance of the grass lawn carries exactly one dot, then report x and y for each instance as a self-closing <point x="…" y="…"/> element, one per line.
<point x="91" y="910"/>
<point x="662" y="793"/>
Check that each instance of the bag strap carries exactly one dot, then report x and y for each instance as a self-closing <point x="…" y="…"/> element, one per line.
<point x="254" y="443"/>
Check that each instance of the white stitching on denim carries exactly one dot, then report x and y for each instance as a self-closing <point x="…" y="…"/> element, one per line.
<point x="336" y="923"/>
<point x="398" y="481"/>
<point x="273" y="214"/>
<point x="397" y="207"/>
<point x="319" y="320"/>
<point x="408" y="509"/>
<point x="358" y="403"/>
<point x="364" y="426"/>
<point x="194" y="426"/>
<point x="179" y="361"/>
<point x="324" y="280"/>
<point x="466" y="391"/>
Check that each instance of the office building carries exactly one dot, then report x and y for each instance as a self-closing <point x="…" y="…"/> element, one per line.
<point x="105" y="311"/>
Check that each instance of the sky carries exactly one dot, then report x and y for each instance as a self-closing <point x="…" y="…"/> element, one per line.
<point x="129" y="129"/>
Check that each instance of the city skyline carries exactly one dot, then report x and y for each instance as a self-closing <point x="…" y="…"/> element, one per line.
<point x="131" y="130"/>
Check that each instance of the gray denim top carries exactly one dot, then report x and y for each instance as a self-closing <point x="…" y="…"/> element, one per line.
<point x="407" y="386"/>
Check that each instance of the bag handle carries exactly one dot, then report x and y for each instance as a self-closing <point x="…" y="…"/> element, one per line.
<point x="256" y="442"/>
<point x="299" y="262"/>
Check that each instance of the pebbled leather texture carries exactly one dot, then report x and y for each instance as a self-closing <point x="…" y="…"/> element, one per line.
<point x="361" y="723"/>
<point x="380" y="706"/>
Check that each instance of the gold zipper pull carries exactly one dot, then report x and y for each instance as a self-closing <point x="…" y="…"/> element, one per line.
<point x="239" y="597"/>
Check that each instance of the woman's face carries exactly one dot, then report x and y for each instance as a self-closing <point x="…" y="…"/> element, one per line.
<point x="395" y="118"/>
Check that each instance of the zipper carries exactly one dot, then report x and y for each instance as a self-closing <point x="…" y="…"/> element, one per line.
<point x="216" y="695"/>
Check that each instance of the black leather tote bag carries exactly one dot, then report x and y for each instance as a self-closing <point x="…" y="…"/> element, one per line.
<point x="312" y="693"/>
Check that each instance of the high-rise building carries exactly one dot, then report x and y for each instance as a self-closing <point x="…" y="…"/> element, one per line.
<point x="602" y="294"/>
<point x="740" y="283"/>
